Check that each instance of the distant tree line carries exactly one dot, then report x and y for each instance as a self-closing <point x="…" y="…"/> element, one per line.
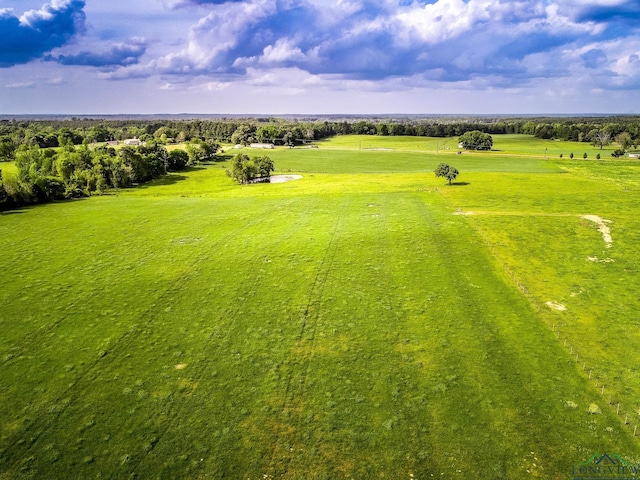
<point x="63" y="133"/>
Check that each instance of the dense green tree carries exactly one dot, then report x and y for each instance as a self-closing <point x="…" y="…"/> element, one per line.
<point x="177" y="160"/>
<point x="244" y="134"/>
<point x="7" y="148"/>
<point x="243" y="169"/>
<point x="624" y="139"/>
<point x="364" y="127"/>
<point x="143" y="167"/>
<point x="446" y="171"/>
<point x="265" y="167"/>
<point x="248" y="170"/>
<point x="163" y="133"/>
<point x="29" y="161"/>
<point x="99" y="134"/>
<point x="476" y="140"/>
<point x="48" y="188"/>
<point x="268" y="133"/>
<point x="4" y="197"/>
<point x="200" y="151"/>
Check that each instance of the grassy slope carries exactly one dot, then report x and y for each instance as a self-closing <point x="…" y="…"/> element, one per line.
<point x="341" y="325"/>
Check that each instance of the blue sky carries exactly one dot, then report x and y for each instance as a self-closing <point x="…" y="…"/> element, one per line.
<point x="319" y="56"/>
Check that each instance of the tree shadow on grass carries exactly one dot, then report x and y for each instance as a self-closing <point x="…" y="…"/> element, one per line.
<point x="459" y="184"/>
<point x="11" y="212"/>
<point x="224" y="157"/>
<point x="15" y="210"/>
<point x="169" y="179"/>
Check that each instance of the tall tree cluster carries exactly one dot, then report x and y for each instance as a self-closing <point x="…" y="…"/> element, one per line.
<point x="46" y="174"/>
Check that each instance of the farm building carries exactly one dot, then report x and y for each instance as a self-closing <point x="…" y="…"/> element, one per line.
<point x="634" y="154"/>
<point x="268" y="146"/>
<point x="132" y="142"/>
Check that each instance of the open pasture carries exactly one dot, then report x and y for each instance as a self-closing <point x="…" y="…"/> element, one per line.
<point x="520" y="145"/>
<point x="397" y="155"/>
<point x="367" y="321"/>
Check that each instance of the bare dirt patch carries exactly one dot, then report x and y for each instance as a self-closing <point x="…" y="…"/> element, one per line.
<point x="556" y="306"/>
<point x="460" y="212"/>
<point x="602" y="228"/>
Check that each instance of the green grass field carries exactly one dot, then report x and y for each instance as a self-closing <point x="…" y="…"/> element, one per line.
<point x="367" y="321"/>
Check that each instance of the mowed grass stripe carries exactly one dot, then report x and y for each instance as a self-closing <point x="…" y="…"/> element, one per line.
<point x="238" y="294"/>
<point x="562" y="258"/>
<point x="103" y="320"/>
<point x="512" y="356"/>
<point x="276" y="463"/>
<point x="601" y="317"/>
<point x="79" y="371"/>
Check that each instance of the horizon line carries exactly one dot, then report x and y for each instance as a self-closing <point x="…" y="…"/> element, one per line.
<point x="11" y="116"/>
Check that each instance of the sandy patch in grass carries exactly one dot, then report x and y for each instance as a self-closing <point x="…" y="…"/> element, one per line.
<point x="596" y="260"/>
<point x="460" y="212"/>
<point x="181" y="366"/>
<point x="556" y="306"/>
<point x="284" y="178"/>
<point x="602" y="228"/>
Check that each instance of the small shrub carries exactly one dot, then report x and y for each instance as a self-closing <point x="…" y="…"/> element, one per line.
<point x="594" y="409"/>
<point x="73" y="191"/>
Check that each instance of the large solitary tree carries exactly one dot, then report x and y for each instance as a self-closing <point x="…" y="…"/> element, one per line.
<point x="476" y="140"/>
<point x="446" y="171"/>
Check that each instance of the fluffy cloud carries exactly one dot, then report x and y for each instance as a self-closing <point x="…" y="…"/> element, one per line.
<point x="121" y="54"/>
<point x="497" y="42"/>
<point x="36" y="32"/>
<point x="443" y="40"/>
